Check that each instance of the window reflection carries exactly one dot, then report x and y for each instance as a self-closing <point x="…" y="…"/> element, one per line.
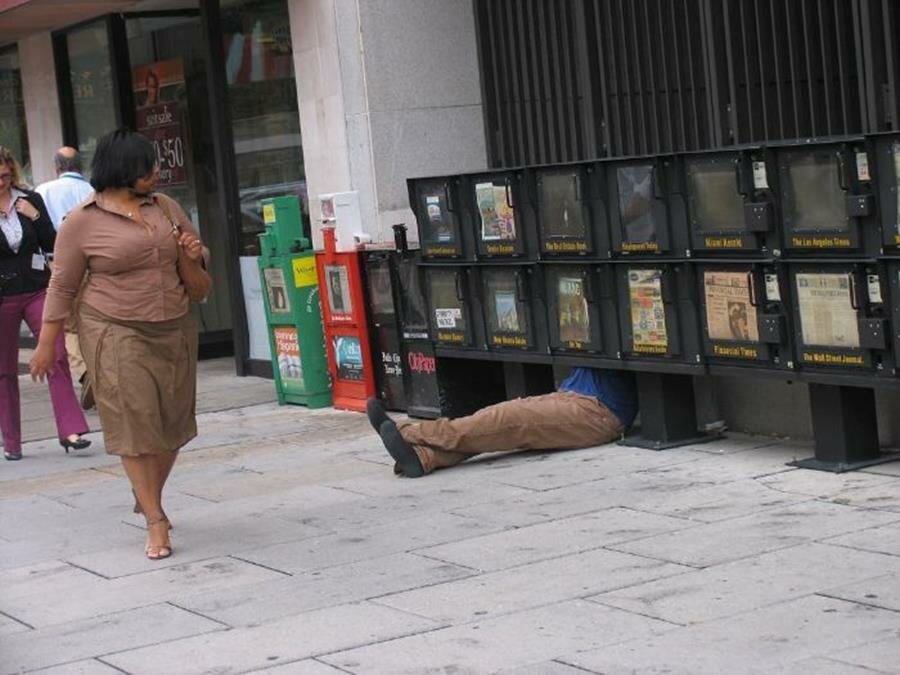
<point x="13" y="133"/>
<point x="263" y="100"/>
<point x="92" y="89"/>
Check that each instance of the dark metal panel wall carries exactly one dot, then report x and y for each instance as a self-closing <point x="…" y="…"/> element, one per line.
<point x="566" y="80"/>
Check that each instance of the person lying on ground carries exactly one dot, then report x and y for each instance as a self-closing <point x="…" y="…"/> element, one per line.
<point x="591" y="407"/>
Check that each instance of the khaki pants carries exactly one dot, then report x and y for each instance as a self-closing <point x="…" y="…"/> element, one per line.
<point x="76" y="362"/>
<point x="558" y="421"/>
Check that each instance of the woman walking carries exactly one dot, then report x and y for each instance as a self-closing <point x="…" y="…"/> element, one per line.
<point x="145" y="264"/>
<point x="27" y="236"/>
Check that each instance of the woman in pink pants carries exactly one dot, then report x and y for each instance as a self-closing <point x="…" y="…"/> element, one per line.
<point x="26" y="235"/>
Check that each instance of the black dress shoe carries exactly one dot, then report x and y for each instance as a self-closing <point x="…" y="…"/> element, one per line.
<point x="376" y="414"/>
<point x="13" y="456"/>
<point x="79" y="444"/>
<point x="402" y="452"/>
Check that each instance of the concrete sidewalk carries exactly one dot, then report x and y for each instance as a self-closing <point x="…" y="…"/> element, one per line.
<point x="298" y="551"/>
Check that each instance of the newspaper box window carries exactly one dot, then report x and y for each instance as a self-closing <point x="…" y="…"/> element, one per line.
<point x="435" y="202"/>
<point x="730" y="203"/>
<point x="888" y="177"/>
<point x="827" y="200"/>
<point x="841" y="316"/>
<point x="657" y="313"/>
<point x="744" y="317"/>
<point x="644" y="217"/>
<point x="508" y="296"/>
<point x="449" y="298"/>
<point x="497" y="210"/>
<point x="570" y="224"/>
<point x="581" y="309"/>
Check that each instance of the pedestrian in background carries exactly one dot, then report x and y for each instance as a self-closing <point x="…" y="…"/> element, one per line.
<point x="27" y="239"/>
<point x="69" y="188"/>
<point x="61" y="195"/>
<point x="143" y="260"/>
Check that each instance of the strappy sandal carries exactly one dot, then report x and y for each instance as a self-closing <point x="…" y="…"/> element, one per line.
<point x="137" y="509"/>
<point x="158" y="552"/>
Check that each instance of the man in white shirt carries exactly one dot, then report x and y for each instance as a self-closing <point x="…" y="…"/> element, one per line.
<point x="61" y="196"/>
<point x="69" y="189"/>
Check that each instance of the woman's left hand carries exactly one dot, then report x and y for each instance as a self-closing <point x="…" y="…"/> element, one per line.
<point x="191" y="246"/>
<point x="26" y="208"/>
<point x="41" y="364"/>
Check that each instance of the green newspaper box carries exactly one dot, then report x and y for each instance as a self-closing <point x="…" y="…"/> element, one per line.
<point x="287" y="267"/>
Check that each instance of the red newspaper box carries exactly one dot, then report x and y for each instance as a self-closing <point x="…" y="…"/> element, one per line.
<point x="346" y="328"/>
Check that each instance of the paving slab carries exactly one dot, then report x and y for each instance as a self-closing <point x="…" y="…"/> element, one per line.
<point x="624" y="490"/>
<point x="229" y="532"/>
<point x="345" y="584"/>
<point x="486" y="646"/>
<point x="305" y="667"/>
<point x="711" y="503"/>
<point x="715" y="543"/>
<point x="512" y="548"/>
<point x="402" y="535"/>
<point x="507" y="591"/>
<point x="881" y="539"/>
<point x="881" y="655"/>
<point x="752" y="583"/>
<point x="882" y="591"/>
<point x="105" y="596"/>
<point x="765" y="639"/>
<point x="87" y="667"/>
<point x="93" y="637"/>
<point x="824" y="485"/>
<point x="291" y="639"/>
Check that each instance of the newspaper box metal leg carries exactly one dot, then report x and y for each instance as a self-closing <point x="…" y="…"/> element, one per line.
<point x="845" y="429"/>
<point x="668" y="413"/>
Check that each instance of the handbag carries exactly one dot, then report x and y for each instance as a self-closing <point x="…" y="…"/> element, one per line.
<point x="194" y="277"/>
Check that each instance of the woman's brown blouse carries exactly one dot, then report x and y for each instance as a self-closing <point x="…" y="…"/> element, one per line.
<point x="130" y="264"/>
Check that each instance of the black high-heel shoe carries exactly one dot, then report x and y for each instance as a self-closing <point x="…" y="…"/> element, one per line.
<point x="80" y="444"/>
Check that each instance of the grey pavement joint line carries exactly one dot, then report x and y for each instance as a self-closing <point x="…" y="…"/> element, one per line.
<point x="563" y="662"/>
<point x="109" y="665"/>
<point x="259" y="564"/>
<point x="19" y="621"/>
<point x="826" y="594"/>
<point x="196" y="613"/>
<point x="88" y="570"/>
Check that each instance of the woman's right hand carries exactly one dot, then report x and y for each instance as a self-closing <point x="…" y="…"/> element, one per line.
<point x="41" y="364"/>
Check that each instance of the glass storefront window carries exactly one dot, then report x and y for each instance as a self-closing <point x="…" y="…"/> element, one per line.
<point x="262" y="96"/>
<point x="13" y="133"/>
<point x="94" y="101"/>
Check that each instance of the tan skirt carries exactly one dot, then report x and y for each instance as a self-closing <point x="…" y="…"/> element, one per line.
<point x="144" y="376"/>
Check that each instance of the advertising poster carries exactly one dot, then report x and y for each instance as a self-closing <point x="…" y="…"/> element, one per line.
<point x="636" y="202"/>
<point x="648" y="314"/>
<point x="729" y="313"/>
<point x="498" y="220"/>
<point x="507" y="313"/>
<point x="441" y="231"/>
<point x="287" y="354"/>
<point x="338" y="289"/>
<point x="276" y="289"/>
<point x="827" y="317"/>
<point x="157" y="89"/>
<point x="348" y="355"/>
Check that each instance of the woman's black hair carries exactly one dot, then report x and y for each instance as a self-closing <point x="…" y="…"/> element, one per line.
<point x="121" y="158"/>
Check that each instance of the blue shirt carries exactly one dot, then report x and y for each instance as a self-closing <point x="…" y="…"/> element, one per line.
<point x="616" y="389"/>
<point x="64" y="194"/>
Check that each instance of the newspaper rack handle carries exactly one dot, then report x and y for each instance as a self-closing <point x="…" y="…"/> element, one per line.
<point x="854" y="298"/>
<point x="460" y="288"/>
<point x="508" y="189"/>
